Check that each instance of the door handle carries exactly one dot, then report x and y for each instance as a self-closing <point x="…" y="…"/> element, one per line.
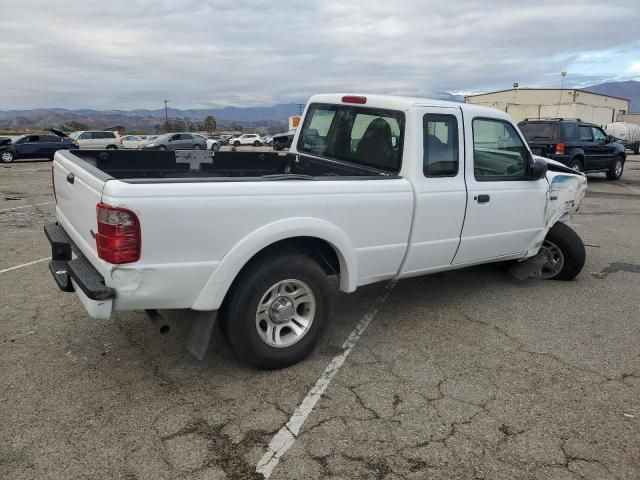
<point x="71" y="178"/>
<point x="482" y="198"/>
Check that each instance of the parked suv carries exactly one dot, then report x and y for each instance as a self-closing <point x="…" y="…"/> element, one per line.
<point x="98" y="140"/>
<point x="585" y="147"/>
<point x="33" y="146"/>
<point x="247" y="139"/>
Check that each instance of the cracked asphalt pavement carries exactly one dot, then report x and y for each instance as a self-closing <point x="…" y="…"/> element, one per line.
<point x="469" y="374"/>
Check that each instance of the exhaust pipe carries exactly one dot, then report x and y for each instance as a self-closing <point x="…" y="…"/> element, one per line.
<point x="158" y="321"/>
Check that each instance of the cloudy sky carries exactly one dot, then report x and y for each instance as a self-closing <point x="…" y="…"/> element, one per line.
<point x="133" y="54"/>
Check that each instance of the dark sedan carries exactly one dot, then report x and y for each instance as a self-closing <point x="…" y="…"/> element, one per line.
<point x="34" y="146"/>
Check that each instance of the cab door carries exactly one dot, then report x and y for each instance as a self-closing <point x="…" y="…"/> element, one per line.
<point x="439" y="189"/>
<point x="505" y="207"/>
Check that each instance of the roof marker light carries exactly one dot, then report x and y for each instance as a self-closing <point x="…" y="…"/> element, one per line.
<point x="354" y="99"/>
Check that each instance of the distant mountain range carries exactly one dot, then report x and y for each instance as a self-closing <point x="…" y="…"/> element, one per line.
<point x="629" y="89"/>
<point x="272" y="119"/>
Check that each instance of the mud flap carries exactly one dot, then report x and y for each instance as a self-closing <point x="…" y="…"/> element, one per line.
<point x="529" y="268"/>
<point x="201" y="332"/>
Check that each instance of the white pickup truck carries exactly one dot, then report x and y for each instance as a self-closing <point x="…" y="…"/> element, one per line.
<point x="374" y="188"/>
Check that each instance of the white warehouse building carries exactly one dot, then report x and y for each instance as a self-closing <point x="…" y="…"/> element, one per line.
<point x="523" y="103"/>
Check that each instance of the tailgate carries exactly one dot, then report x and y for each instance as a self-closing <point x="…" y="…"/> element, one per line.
<point x="78" y="191"/>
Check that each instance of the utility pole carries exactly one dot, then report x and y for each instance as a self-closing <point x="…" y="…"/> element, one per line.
<point x="166" y="113"/>
<point x="166" y="116"/>
<point x="300" y="108"/>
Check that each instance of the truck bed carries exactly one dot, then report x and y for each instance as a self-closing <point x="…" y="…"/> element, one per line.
<point x="141" y="166"/>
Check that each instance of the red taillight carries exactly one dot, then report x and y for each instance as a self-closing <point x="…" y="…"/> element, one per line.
<point x="560" y="149"/>
<point x="354" y="99"/>
<point x="53" y="183"/>
<point x="118" y="237"/>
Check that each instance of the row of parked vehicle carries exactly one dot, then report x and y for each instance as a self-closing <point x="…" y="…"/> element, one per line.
<point x="580" y="145"/>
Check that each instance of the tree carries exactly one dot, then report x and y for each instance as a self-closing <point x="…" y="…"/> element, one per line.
<point x="178" y="125"/>
<point x="210" y="124"/>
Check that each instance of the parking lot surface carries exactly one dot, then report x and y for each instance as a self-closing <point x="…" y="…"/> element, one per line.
<point x="470" y="374"/>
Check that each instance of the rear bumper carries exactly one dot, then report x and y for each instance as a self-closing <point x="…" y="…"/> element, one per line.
<point x="72" y="271"/>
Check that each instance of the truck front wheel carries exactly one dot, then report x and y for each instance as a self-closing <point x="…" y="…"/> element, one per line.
<point x="278" y="310"/>
<point x="564" y="253"/>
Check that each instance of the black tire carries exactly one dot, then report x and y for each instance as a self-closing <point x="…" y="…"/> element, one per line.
<point x="249" y="288"/>
<point x="162" y="147"/>
<point x="277" y="147"/>
<point x="112" y="147"/>
<point x="571" y="248"/>
<point x="215" y="147"/>
<point x="196" y="146"/>
<point x="616" y="168"/>
<point x="576" y="164"/>
<point x="7" y="156"/>
<point x="236" y="144"/>
<point x="256" y="143"/>
<point x="636" y="148"/>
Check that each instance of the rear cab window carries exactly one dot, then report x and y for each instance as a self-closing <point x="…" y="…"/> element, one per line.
<point x="369" y="137"/>
<point x="440" y="145"/>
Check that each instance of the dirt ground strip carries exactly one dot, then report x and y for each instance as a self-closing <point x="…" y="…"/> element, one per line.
<point x="469" y="374"/>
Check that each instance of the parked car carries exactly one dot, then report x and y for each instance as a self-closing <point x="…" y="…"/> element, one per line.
<point x="246" y="139"/>
<point x="131" y="141"/>
<point x="98" y="140"/>
<point x="214" y="142"/>
<point x="175" y="141"/>
<point x="267" y="140"/>
<point x="258" y="233"/>
<point x="283" y="140"/>
<point x="34" y="146"/>
<point x="582" y="146"/>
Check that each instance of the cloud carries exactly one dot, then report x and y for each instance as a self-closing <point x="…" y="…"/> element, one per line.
<point x="122" y="54"/>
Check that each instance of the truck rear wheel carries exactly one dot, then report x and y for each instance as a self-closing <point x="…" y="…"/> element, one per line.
<point x="564" y="253"/>
<point x="278" y="310"/>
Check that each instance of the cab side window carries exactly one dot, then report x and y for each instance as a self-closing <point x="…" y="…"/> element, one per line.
<point x="598" y="135"/>
<point x="440" y="145"/>
<point x="498" y="151"/>
<point x="85" y="136"/>
<point x="585" y="134"/>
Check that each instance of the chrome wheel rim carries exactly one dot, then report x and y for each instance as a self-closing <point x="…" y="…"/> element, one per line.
<point x="577" y="167"/>
<point x="554" y="260"/>
<point x="618" y="168"/>
<point x="285" y="313"/>
<point x="7" y="157"/>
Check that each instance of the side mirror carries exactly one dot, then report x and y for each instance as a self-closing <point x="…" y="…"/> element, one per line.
<point x="537" y="168"/>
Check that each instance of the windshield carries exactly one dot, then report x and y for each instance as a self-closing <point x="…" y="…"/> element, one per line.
<point x="538" y="130"/>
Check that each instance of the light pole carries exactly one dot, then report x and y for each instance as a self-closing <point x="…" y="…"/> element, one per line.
<point x="166" y="115"/>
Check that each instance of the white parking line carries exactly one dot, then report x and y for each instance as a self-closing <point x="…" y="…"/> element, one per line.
<point x="24" y="265"/>
<point x="628" y="186"/>
<point x="286" y="436"/>
<point x="25" y="206"/>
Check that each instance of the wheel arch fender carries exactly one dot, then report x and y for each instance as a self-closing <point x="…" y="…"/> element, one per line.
<point x="215" y="289"/>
